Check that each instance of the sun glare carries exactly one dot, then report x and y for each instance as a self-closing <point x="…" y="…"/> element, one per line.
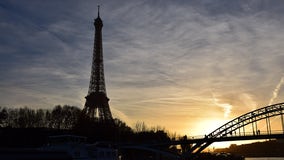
<point x="209" y="125"/>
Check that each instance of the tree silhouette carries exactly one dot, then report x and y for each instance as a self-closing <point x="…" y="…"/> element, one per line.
<point x="58" y="118"/>
<point x="3" y="117"/>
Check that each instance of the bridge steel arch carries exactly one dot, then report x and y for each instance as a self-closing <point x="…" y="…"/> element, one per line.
<point x="239" y="123"/>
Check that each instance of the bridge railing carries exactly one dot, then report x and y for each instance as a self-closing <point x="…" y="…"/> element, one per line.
<point x="238" y="134"/>
<point x="244" y="134"/>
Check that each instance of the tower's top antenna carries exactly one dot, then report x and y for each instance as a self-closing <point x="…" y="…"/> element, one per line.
<point x="98" y="10"/>
<point x="98" y="21"/>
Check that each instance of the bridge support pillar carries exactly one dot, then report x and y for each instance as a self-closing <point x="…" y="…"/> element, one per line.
<point x="244" y="129"/>
<point x="268" y="125"/>
<point x="282" y="121"/>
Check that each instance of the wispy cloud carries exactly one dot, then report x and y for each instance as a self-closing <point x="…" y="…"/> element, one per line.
<point x="276" y="90"/>
<point x="162" y="58"/>
<point x="227" y="108"/>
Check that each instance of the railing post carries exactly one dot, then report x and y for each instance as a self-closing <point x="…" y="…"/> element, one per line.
<point x="256" y="129"/>
<point x="252" y="127"/>
<point x="282" y="121"/>
<point x="239" y="129"/>
<point x="252" y="123"/>
<point x="244" y="129"/>
<point x="268" y="124"/>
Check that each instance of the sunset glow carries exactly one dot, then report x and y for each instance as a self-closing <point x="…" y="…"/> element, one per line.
<point x="188" y="66"/>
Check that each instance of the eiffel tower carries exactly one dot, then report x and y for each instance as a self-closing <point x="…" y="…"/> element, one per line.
<point x="97" y="105"/>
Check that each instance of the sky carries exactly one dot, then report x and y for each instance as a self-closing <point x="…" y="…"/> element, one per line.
<point x="186" y="65"/>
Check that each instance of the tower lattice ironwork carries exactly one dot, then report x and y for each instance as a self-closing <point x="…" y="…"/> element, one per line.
<point x="97" y="105"/>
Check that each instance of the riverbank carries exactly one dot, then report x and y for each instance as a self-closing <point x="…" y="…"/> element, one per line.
<point x="271" y="148"/>
<point x="264" y="158"/>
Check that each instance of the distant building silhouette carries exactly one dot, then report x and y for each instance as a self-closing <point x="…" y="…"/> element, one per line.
<point x="97" y="105"/>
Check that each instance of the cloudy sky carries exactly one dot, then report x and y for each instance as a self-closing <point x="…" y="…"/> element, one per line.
<point x="188" y="66"/>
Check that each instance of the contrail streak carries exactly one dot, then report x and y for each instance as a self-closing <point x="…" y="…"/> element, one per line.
<point x="276" y="90"/>
<point x="227" y="108"/>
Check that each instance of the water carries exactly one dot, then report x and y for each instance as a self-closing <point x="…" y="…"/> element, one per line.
<point x="266" y="158"/>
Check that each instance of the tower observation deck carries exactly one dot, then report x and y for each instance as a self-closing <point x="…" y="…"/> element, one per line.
<point x="97" y="105"/>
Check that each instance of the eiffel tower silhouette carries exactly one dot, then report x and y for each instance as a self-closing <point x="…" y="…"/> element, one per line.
<point x="97" y="105"/>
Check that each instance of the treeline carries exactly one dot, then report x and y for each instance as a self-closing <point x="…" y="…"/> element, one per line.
<point x="68" y="117"/>
<point x="28" y="127"/>
<point x="271" y="148"/>
<point x="60" y="117"/>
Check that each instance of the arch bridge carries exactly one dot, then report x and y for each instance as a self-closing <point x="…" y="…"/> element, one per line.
<point x="253" y="125"/>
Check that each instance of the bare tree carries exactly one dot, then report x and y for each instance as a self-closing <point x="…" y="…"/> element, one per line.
<point x="140" y="127"/>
